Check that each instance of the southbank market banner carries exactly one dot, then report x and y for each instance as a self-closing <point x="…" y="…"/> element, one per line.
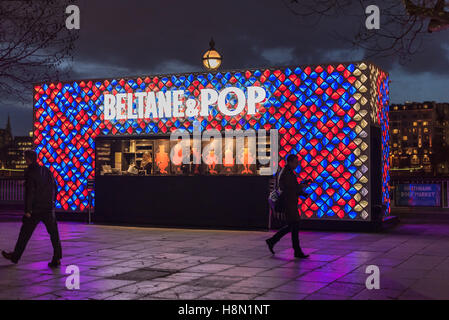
<point x="425" y="195"/>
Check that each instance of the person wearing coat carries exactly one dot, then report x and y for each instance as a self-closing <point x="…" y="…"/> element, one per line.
<point x="40" y="196"/>
<point x="290" y="191"/>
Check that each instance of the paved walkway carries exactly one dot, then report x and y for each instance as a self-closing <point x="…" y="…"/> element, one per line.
<point x="143" y="263"/>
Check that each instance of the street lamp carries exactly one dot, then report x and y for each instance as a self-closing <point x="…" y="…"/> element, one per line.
<point x="211" y="58"/>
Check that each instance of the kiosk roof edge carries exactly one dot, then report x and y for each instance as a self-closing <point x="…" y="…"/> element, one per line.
<point x="159" y="75"/>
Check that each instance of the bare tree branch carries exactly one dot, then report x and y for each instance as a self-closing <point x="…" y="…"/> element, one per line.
<point x="404" y="23"/>
<point x="34" y="42"/>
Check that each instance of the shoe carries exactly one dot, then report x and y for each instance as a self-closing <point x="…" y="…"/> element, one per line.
<point x="54" y="263"/>
<point x="9" y="256"/>
<point x="301" y="255"/>
<point x="270" y="245"/>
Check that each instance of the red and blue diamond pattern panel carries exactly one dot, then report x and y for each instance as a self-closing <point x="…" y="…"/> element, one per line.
<point x="322" y="114"/>
<point x="380" y="116"/>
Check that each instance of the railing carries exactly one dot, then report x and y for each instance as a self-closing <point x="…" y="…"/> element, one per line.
<point x="11" y="190"/>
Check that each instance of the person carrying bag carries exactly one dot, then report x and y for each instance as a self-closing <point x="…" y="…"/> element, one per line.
<point x="284" y="203"/>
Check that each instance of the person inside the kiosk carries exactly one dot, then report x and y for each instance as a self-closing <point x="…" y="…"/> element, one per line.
<point x="147" y="163"/>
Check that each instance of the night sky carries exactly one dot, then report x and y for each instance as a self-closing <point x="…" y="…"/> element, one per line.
<point x="133" y="38"/>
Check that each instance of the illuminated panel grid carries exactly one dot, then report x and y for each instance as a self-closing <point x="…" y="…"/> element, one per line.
<point x="321" y="113"/>
<point x="380" y="116"/>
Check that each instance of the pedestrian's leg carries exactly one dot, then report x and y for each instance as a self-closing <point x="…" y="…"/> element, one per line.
<point x="278" y="235"/>
<point x="26" y="231"/>
<point x="52" y="229"/>
<point x="295" y="237"/>
<point x="295" y="241"/>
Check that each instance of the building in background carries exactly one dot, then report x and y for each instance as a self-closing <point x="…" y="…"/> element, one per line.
<point x="15" y="154"/>
<point x="6" y="135"/>
<point x="12" y="148"/>
<point x="419" y="138"/>
<point x="5" y="140"/>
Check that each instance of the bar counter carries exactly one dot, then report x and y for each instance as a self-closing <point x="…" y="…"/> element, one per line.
<point x="221" y="202"/>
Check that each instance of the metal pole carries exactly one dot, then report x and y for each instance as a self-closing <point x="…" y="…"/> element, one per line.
<point x="90" y="205"/>
<point x="442" y="194"/>
<point x="445" y="193"/>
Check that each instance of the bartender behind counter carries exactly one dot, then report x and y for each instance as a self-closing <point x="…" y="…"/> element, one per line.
<point x="147" y="162"/>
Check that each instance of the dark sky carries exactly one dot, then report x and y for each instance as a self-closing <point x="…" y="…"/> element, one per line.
<point x="126" y="38"/>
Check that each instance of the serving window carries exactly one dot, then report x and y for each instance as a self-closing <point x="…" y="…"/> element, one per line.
<point x="157" y="155"/>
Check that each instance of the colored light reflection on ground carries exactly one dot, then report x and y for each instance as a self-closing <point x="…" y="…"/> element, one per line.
<point x="144" y="263"/>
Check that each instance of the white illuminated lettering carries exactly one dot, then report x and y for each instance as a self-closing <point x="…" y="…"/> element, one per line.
<point x="151" y="106"/>
<point x="255" y="95"/>
<point x="109" y="107"/>
<point x="164" y="104"/>
<point x="120" y="106"/>
<point x="241" y="101"/>
<point x="207" y="97"/>
<point x="140" y="105"/>
<point x="129" y="103"/>
<point x="177" y="102"/>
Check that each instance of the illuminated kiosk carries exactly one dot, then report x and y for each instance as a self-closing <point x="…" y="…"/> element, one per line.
<point x="333" y="116"/>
